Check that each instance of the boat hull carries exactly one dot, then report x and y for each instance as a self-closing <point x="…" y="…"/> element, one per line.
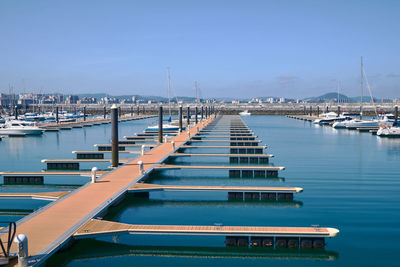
<point x="21" y="131"/>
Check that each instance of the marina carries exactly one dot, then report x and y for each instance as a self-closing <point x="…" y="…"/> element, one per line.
<point x="145" y="191"/>
<point x="114" y="184"/>
<point x="199" y="133"/>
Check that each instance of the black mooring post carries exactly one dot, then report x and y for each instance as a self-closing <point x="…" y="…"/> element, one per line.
<point x="202" y="113"/>
<point x="160" y="125"/>
<point x="318" y="111"/>
<point x="57" y="119"/>
<point x="104" y="112"/>
<point x="195" y="114"/>
<point x="84" y="113"/>
<point x="396" y="115"/>
<point x="114" y="136"/>
<point x="338" y="110"/>
<point x="16" y="112"/>
<point x="305" y="112"/>
<point x="310" y="110"/>
<point x="180" y="118"/>
<point x="138" y="110"/>
<point x="188" y="117"/>
<point x="131" y="111"/>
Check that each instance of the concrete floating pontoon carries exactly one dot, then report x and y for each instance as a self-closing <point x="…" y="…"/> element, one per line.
<point x="73" y="164"/>
<point x="96" y="228"/>
<point x="237" y="147"/>
<point x="234" y="171"/>
<point x="234" y="192"/>
<point x="219" y="155"/>
<point x="49" y="173"/>
<point x="175" y="167"/>
<point x="51" y="196"/>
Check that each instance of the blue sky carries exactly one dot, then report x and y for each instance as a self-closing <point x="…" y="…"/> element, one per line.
<point x="232" y="48"/>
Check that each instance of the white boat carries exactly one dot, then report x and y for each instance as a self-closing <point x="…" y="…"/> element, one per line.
<point x="245" y="113"/>
<point x="20" y="127"/>
<point x="385" y="131"/>
<point x="166" y="127"/>
<point x="357" y="123"/>
<point x="326" y="118"/>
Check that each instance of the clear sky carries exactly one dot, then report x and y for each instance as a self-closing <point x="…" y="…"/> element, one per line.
<point x="245" y="48"/>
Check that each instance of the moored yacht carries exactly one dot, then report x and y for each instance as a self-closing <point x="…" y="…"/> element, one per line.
<point x="245" y="113"/>
<point x="329" y="117"/>
<point x="20" y="127"/>
<point x="166" y="127"/>
<point x="385" y="131"/>
<point x="386" y="120"/>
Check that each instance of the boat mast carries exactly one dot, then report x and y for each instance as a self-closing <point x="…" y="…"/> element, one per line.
<point x="196" y="91"/>
<point x="361" y="88"/>
<point x="169" y="92"/>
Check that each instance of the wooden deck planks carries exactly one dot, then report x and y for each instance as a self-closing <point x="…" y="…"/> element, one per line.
<point x="98" y="227"/>
<point x="52" y="226"/>
<point x="154" y="187"/>
<point x="171" y="167"/>
<point x="42" y="195"/>
<point x="219" y="155"/>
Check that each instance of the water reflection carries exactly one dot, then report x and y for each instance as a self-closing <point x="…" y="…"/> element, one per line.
<point x="91" y="249"/>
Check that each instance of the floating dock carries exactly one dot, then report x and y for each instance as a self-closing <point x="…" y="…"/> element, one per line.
<point x="51" y="196"/>
<point x="72" y="215"/>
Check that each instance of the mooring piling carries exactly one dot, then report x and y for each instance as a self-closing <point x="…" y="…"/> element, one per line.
<point x="180" y="118"/>
<point x="160" y="124"/>
<point x="114" y="136"/>
<point x="188" y="116"/>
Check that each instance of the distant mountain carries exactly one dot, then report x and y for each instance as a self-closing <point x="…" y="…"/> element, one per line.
<point x="328" y="97"/>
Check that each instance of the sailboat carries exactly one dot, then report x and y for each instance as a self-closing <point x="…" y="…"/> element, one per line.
<point x="360" y="123"/>
<point x="169" y="126"/>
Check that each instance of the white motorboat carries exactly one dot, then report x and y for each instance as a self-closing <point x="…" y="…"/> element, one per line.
<point x="385" y="131"/>
<point x="357" y="123"/>
<point x="245" y="113"/>
<point x="166" y="127"/>
<point x="329" y="117"/>
<point x="20" y="127"/>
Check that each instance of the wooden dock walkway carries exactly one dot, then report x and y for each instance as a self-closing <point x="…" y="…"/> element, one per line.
<point x="96" y="121"/>
<point x="144" y="187"/>
<point x="123" y="160"/>
<point x="102" y="152"/>
<point x="52" y="173"/>
<point x="175" y="167"/>
<point x="51" y="196"/>
<point x="219" y="155"/>
<point x="51" y="227"/>
<point x="100" y="227"/>
<point x="224" y="141"/>
<point x="189" y="146"/>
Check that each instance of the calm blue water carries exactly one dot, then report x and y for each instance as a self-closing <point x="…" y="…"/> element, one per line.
<point x="351" y="182"/>
<point x="25" y="154"/>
